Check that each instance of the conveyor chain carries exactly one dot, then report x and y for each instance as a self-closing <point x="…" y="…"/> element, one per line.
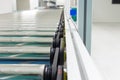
<point x="55" y="71"/>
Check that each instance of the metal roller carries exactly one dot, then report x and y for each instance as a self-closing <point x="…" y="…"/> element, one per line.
<point x="23" y="29"/>
<point x="27" y="69"/>
<point x="28" y="26"/>
<point x="25" y="39"/>
<point x="26" y="33"/>
<point x="24" y="58"/>
<point x="44" y="50"/>
<point x="22" y="69"/>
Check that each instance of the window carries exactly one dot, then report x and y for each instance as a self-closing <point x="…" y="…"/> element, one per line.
<point x="115" y="1"/>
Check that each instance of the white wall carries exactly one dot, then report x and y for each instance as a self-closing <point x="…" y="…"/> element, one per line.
<point x="6" y="6"/>
<point x="105" y="11"/>
<point x="60" y="2"/>
<point x="27" y="4"/>
<point x="41" y="3"/>
<point x="73" y="3"/>
<point x="34" y="4"/>
<point x="23" y="5"/>
<point x="14" y="5"/>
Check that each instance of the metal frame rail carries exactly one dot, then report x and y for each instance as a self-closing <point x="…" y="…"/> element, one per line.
<point x="80" y="65"/>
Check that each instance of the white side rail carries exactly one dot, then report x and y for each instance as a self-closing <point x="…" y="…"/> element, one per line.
<point x="83" y="67"/>
<point x="73" y="71"/>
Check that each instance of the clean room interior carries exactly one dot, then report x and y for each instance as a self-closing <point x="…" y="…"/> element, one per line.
<point x="30" y="15"/>
<point x="106" y="38"/>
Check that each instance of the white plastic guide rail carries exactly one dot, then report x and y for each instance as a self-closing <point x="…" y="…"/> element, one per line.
<point x="72" y="65"/>
<point x="80" y="65"/>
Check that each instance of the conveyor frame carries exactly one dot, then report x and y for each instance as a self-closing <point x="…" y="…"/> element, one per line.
<point x="80" y="65"/>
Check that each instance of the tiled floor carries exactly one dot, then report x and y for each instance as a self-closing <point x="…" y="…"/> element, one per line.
<point x="106" y="49"/>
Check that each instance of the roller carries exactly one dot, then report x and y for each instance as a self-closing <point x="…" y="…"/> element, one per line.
<point x="27" y="26"/>
<point x="27" y="49"/>
<point x="28" y="33"/>
<point x="22" y="69"/>
<point x="26" y="39"/>
<point x="24" y="58"/>
<point x="23" y="29"/>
